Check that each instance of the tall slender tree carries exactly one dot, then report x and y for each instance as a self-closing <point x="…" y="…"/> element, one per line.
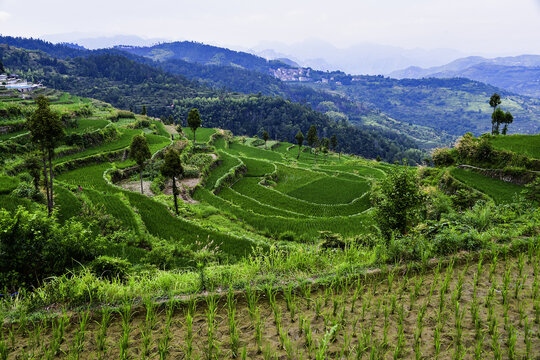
<point x="46" y="132"/>
<point x="172" y="168"/>
<point x="140" y="152"/>
<point x="334" y="143"/>
<point x="494" y="101"/>
<point x="194" y="121"/>
<point x="497" y="118"/>
<point x="300" y="140"/>
<point x="143" y="111"/>
<point x="508" y="119"/>
<point x="312" y="138"/>
<point x="265" y="137"/>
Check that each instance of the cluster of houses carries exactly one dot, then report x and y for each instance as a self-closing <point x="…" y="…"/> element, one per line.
<point x="292" y="74"/>
<point x="14" y="82"/>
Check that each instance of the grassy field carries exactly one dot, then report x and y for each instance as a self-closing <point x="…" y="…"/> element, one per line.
<point x="528" y="145"/>
<point x="499" y="191"/>
<point x="477" y="309"/>
<point x="202" y="135"/>
<point x="87" y="125"/>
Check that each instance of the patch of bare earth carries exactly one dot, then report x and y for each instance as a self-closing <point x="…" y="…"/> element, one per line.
<point x="184" y="186"/>
<point x="135" y="186"/>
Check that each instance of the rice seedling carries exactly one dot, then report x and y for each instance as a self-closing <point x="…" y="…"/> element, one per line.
<point x="511" y="342"/>
<point x="77" y="345"/>
<point x="164" y="341"/>
<point x="323" y="344"/>
<point x="4" y="348"/>
<point x="258" y="330"/>
<point x="233" y="323"/>
<point x="318" y="306"/>
<point x="479" y="347"/>
<point x="101" y="335"/>
<point x="188" y="348"/>
<point x="211" y="313"/>
<point x="125" y="314"/>
<point x="252" y="297"/>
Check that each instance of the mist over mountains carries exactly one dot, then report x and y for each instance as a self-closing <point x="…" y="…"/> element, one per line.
<point x="363" y="58"/>
<point x="519" y="74"/>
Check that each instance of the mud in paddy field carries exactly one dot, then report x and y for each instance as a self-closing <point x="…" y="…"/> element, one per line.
<point x="487" y="309"/>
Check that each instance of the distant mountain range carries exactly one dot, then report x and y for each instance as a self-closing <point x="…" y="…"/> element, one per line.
<point x="364" y="58"/>
<point x="427" y="112"/>
<point x="519" y="74"/>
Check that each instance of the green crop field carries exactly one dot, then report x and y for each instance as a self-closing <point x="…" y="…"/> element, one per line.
<point x="528" y="145"/>
<point x="87" y="125"/>
<point x="261" y="255"/>
<point x="202" y="135"/>
<point x="500" y="191"/>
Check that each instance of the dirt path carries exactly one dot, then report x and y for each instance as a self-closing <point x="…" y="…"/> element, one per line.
<point x="183" y="185"/>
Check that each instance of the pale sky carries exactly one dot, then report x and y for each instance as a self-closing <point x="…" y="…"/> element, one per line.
<point x="472" y="26"/>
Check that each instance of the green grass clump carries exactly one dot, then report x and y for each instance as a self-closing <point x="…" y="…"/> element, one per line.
<point x="500" y="191"/>
<point x="528" y="145"/>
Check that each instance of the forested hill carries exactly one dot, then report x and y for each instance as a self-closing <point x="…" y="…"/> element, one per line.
<point x="129" y="85"/>
<point x="204" y="54"/>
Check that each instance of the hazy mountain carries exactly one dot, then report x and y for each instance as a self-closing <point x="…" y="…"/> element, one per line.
<point x="363" y="58"/>
<point x="93" y="41"/>
<point x="519" y="74"/>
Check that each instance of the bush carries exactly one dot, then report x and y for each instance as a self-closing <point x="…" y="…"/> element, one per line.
<point x="331" y="241"/>
<point x="110" y="267"/>
<point x="443" y="157"/>
<point x="397" y="201"/>
<point x="34" y="246"/>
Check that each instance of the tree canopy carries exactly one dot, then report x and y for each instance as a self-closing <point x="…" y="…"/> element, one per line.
<point x="194" y="121"/>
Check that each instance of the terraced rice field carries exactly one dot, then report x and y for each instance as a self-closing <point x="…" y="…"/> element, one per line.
<point x="277" y="195"/>
<point x="528" y="145"/>
<point x="499" y="191"/>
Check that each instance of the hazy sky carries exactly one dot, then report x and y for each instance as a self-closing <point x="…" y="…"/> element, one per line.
<point x="473" y="26"/>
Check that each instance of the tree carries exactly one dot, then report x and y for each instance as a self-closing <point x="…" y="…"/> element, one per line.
<point x="140" y="152"/>
<point x="497" y="118"/>
<point x="265" y="137"/>
<point x="312" y="137"/>
<point x="34" y="169"/>
<point x="334" y="142"/>
<point x="325" y="144"/>
<point x="397" y="201"/>
<point x="2" y="70"/>
<point x="508" y="119"/>
<point x="194" y="121"/>
<point x="172" y="168"/>
<point x="46" y="132"/>
<point x="300" y="140"/>
<point x="494" y="101"/>
<point x="143" y="111"/>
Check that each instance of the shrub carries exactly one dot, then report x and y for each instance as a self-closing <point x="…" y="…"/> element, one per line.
<point x="34" y="246"/>
<point x="287" y="236"/>
<point x="443" y="157"/>
<point x="397" y="201"/>
<point x="110" y="267"/>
